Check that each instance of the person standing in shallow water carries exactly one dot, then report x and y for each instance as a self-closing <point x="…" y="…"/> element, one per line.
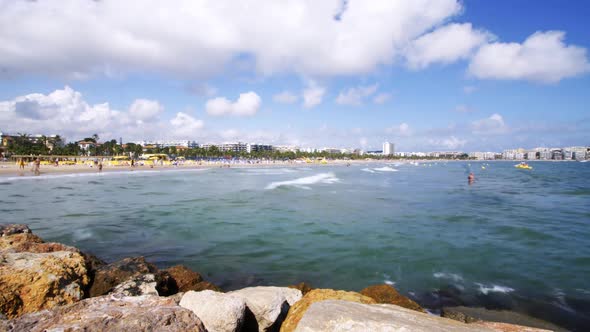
<point x="471" y="178"/>
<point x="37" y="166"/>
<point x="100" y="166"/>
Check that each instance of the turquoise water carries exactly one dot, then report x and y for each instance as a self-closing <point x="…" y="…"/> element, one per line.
<point x="515" y="239"/>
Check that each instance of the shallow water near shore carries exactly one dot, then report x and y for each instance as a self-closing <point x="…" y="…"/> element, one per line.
<point x="515" y="239"/>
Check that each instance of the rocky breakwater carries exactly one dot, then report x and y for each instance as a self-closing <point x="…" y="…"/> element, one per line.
<point x="53" y="287"/>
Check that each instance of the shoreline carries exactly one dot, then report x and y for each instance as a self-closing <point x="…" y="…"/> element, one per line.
<point x="10" y="169"/>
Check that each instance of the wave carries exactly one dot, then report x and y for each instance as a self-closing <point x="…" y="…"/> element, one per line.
<point x="385" y="169"/>
<point x="493" y="288"/>
<point x="451" y="276"/>
<point x="106" y="173"/>
<point x="270" y="171"/>
<point x="303" y="182"/>
<point x="368" y="170"/>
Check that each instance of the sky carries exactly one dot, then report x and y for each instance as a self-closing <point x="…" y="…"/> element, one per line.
<point x="428" y="75"/>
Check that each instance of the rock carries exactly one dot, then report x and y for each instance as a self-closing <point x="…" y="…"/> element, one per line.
<point x="337" y="315"/>
<point x="187" y="280"/>
<point x="10" y="229"/>
<point x="298" y="309"/>
<point x="303" y="287"/>
<point x="269" y="305"/>
<point x="217" y="311"/>
<point x="34" y="281"/>
<point x="109" y="313"/>
<point x="388" y="295"/>
<point x="141" y="285"/>
<point x="486" y="316"/>
<point x="108" y="276"/>
<point x="505" y="327"/>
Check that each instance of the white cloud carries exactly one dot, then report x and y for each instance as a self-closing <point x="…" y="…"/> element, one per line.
<point x="451" y="143"/>
<point x="65" y="112"/>
<point x="285" y="97"/>
<point x="355" y="96"/>
<point x="247" y="105"/>
<point x="202" y="89"/>
<point x="401" y="130"/>
<point x="543" y="57"/>
<point x="469" y="89"/>
<point x="145" y="110"/>
<point x="489" y="126"/>
<point x="185" y="125"/>
<point x="464" y="109"/>
<point x="313" y="94"/>
<point x="382" y="98"/>
<point x="445" y="45"/>
<point x="118" y="37"/>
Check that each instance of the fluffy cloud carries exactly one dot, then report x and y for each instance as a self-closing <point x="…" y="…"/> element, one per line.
<point x="382" y="98"/>
<point x="145" y="110"/>
<point x="65" y="112"/>
<point x="116" y="37"/>
<point x="355" y="96"/>
<point x="402" y="130"/>
<point x="285" y="97"/>
<point x="247" y="105"/>
<point x="489" y="126"/>
<point x="452" y="143"/>
<point x="445" y="45"/>
<point x="543" y="57"/>
<point x="313" y="95"/>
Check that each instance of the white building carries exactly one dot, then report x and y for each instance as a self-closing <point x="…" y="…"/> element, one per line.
<point x="388" y="149"/>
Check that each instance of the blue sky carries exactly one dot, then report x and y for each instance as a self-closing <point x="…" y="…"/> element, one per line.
<point x="429" y="75"/>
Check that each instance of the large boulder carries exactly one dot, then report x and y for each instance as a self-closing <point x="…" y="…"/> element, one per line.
<point x="110" y="313"/>
<point x="144" y="284"/>
<point x="298" y="309"/>
<point x="269" y="305"/>
<point x="303" y="287"/>
<point x="188" y="280"/>
<point x="386" y="294"/>
<point x="35" y="275"/>
<point x="336" y="315"/>
<point x="218" y="311"/>
<point x="106" y="277"/>
<point x="498" y="318"/>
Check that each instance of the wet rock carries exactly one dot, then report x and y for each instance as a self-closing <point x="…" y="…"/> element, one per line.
<point x="269" y="305"/>
<point x="34" y="281"/>
<point x="303" y="287"/>
<point x="297" y="310"/>
<point x="11" y="229"/>
<point x="108" y="276"/>
<point x="187" y="280"/>
<point x="109" y="313"/>
<point x="141" y="285"/>
<point x="388" y="295"/>
<point x="337" y="315"/>
<point x="477" y="315"/>
<point x="217" y="311"/>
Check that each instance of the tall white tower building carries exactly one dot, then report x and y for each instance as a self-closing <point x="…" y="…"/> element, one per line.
<point x="388" y="149"/>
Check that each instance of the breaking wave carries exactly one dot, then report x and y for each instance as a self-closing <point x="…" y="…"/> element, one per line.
<point x="493" y="288"/>
<point x="305" y="181"/>
<point x="385" y="169"/>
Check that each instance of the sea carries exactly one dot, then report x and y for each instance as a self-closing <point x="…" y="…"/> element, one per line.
<point x="514" y="239"/>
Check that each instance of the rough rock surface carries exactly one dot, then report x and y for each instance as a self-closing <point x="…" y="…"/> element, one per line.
<point x="386" y="294"/>
<point x="108" y="276"/>
<point x="505" y="327"/>
<point x="141" y="285"/>
<point x="269" y="305"/>
<point x="487" y="316"/>
<point x="303" y="287"/>
<point x="109" y="313"/>
<point x="187" y="280"/>
<point x="334" y="315"/>
<point x="218" y="311"/>
<point x="298" y="309"/>
<point x="35" y="275"/>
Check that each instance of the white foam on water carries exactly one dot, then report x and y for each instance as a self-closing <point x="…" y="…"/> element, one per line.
<point x="493" y="288"/>
<point x="303" y="183"/>
<point x="96" y="174"/>
<point x="385" y="169"/>
<point x="368" y="170"/>
<point x="451" y="276"/>
<point x="270" y="171"/>
<point x="389" y="282"/>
